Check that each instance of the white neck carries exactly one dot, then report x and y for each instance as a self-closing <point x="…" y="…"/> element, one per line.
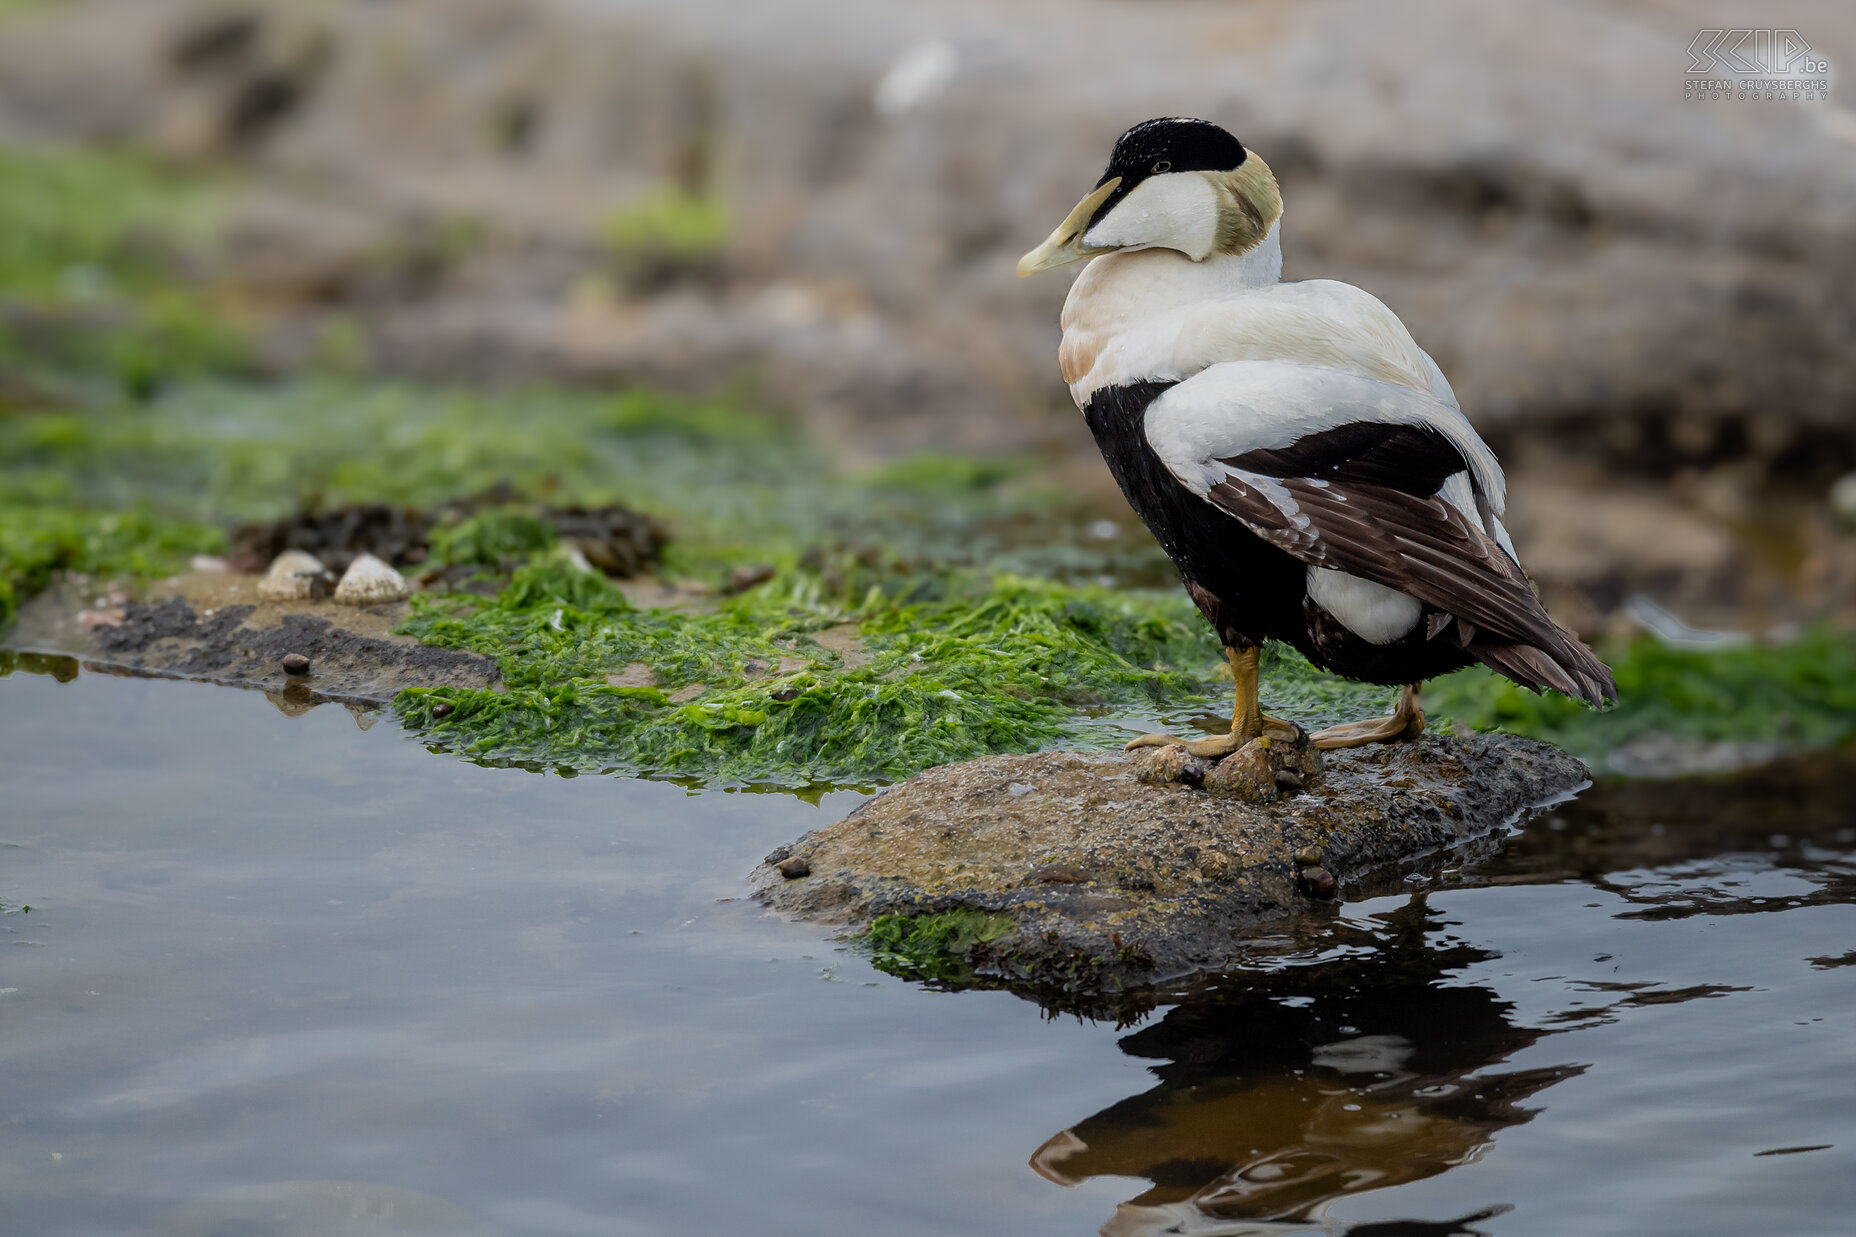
<point x="1119" y="294"/>
<point x="1164" y="279"/>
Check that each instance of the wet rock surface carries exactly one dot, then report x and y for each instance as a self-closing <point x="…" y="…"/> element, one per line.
<point x="309" y="657"/>
<point x="1110" y="878"/>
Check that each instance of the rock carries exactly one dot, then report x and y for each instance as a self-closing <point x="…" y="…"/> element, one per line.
<point x="295" y="575"/>
<point x="613" y="539"/>
<point x="793" y="868"/>
<point x="369" y="581"/>
<point x="295" y="664"/>
<point x="1172" y="763"/>
<point x="1131" y="881"/>
<point x="443" y="709"/>
<point x="1246" y="773"/>
<point x="1318" y="881"/>
<point x="225" y="645"/>
<point x="1262" y="771"/>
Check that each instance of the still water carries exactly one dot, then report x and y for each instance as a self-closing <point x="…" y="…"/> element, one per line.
<point x="285" y="976"/>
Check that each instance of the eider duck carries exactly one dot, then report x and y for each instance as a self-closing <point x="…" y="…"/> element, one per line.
<point x="1302" y="461"/>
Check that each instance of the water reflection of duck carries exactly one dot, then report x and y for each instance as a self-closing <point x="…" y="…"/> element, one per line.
<point x="1302" y="1086"/>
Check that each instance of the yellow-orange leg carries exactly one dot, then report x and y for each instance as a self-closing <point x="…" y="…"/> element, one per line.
<point x="1248" y="720"/>
<point x="1406" y="721"/>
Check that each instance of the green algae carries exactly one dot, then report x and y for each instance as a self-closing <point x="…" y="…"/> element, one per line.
<point x="747" y="694"/>
<point x="493" y="537"/>
<point x="935" y="947"/>
<point x="963" y="948"/>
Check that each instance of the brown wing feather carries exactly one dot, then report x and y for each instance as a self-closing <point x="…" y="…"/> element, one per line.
<point x="1427" y="549"/>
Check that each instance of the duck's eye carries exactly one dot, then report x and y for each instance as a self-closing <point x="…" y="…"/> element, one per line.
<point x="1165" y="165"/>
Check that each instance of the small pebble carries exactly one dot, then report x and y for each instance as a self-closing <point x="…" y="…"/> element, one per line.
<point x="1171" y="763"/>
<point x="1308" y="857"/>
<point x="295" y="664"/>
<point x="794" y="868"/>
<point x="443" y="708"/>
<point x="1319" y="882"/>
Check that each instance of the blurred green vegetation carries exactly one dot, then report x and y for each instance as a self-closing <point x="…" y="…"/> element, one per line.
<point x="1801" y="692"/>
<point x="37" y="541"/>
<point x="95" y="247"/>
<point x="668" y="222"/>
<point x="12" y="8"/>
<point x="81" y="224"/>
<point x="491" y="538"/>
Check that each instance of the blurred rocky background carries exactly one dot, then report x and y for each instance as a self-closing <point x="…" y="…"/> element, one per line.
<point x="1643" y="297"/>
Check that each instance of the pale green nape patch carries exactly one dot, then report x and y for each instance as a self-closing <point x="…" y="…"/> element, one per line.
<point x="1250" y="203"/>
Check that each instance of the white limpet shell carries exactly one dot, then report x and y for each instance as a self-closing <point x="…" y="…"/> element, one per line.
<point x="368" y="580"/>
<point x="294" y="576"/>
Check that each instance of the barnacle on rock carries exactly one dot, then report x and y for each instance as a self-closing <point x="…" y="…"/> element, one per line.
<point x="368" y="581"/>
<point x="295" y="575"/>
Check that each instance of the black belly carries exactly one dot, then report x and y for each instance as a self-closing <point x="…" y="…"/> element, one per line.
<point x="1248" y="590"/>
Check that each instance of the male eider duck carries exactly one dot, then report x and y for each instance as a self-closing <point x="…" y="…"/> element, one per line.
<point x="1302" y="461"/>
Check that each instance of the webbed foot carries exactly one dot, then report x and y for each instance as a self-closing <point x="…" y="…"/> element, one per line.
<point x="1214" y="747"/>
<point x="1406" y="721"/>
<point x="1277" y="728"/>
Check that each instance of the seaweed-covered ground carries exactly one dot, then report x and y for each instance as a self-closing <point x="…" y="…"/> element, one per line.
<point x="809" y="623"/>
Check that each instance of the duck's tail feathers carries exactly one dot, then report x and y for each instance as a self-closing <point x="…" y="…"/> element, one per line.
<point x="1571" y="668"/>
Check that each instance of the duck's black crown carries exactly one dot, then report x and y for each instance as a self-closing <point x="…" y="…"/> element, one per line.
<point x="1171" y="144"/>
<point x="1167" y="144"/>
